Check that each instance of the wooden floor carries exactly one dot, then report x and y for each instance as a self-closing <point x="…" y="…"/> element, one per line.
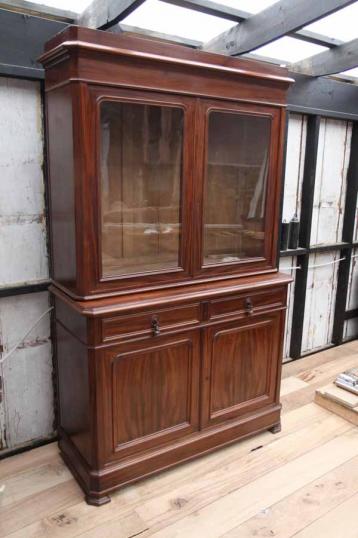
<point x="302" y="482"/>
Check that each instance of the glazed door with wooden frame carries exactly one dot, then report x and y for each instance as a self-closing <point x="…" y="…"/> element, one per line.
<point x="238" y="167"/>
<point x="241" y="359"/>
<point x="144" y="168"/>
<point x="152" y="392"/>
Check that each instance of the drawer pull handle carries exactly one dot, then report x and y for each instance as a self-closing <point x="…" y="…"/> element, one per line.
<point x="249" y="307"/>
<point x="155" y="326"/>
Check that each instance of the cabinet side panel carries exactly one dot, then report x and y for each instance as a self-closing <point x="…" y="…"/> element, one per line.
<point x="74" y="397"/>
<point x="62" y="194"/>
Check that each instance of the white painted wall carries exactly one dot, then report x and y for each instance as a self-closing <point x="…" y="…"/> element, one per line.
<point x="327" y="221"/>
<point x="333" y="153"/>
<point x="26" y="412"/>
<point x="295" y="158"/>
<point x="287" y="265"/>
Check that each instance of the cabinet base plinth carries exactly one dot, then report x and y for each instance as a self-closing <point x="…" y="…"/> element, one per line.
<point x="97" y="501"/>
<point x="276" y="428"/>
<point x="97" y="484"/>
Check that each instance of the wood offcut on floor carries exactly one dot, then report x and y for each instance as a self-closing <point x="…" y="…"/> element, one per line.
<point x="302" y="482"/>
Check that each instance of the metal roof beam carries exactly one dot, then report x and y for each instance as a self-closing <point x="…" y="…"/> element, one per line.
<point x="119" y="28"/>
<point x="212" y="8"/>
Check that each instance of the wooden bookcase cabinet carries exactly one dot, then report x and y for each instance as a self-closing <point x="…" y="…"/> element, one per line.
<point x="165" y="168"/>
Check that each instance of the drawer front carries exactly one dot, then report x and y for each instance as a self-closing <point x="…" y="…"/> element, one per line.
<point x="248" y="303"/>
<point x="151" y="323"/>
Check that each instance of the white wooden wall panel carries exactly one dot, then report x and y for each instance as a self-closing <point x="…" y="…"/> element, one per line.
<point x="28" y="392"/>
<point x="295" y="157"/>
<point x="352" y="295"/>
<point x="350" y="329"/>
<point x="330" y="185"/>
<point x="23" y="245"/>
<point x="287" y="265"/>
<point x="22" y="220"/>
<point x="21" y="148"/>
<point x="26" y="413"/>
<point x="320" y="301"/>
<point x="355" y="233"/>
<point x="351" y="325"/>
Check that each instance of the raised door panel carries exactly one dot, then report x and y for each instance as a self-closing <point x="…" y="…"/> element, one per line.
<point x="240" y="367"/>
<point x="153" y="392"/>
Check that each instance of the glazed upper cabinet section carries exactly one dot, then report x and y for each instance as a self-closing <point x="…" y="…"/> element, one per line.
<point x="141" y="186"/>
<point x="187" y="186"/>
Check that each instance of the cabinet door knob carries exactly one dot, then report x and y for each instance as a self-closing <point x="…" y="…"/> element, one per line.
<point x="155" y="326"/>
<point x="249" y="307"/>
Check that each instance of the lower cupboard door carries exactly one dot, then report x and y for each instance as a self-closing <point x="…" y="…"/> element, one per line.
<point x="151" y="392"/>
<point x="241" y="361"/>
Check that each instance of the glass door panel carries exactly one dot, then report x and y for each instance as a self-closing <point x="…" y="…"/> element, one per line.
<point x="141" y="185"/>
<point x="237" y="163"/>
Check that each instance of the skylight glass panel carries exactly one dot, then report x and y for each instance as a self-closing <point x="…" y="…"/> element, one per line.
<point x="77" y="6"/>
<point x="169" y="19"/>
<point x="289" y="50"/>
<point x="251" y="6"/>
<point x="351" y="72"/>
<point x="342" y="24"/>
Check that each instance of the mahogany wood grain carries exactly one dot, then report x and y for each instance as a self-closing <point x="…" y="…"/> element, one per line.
<point x="154" y="392"/>
<point x="87" y="65"/>
<point x="240" y="367"/>
<point x="74" y="393"/>
<point x="62" y="186"/>
<point x="159" y="366"/>
<point x="249" y="303"/>
<point x="146" y="324"/>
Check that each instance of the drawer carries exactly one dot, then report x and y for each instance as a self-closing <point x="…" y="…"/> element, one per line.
<point x="249" y="303"/>
<point x="151" y="323"/>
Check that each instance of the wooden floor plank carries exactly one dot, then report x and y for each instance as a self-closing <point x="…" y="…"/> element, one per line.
<point x="319" y="359"/>
<point x="130" y="526"/>
<point x="229" y="511"/>
<point x="194" y="496"/>
<point x="315" y="378"/>
<point x="203" y="471"/>
<point x="128" y="498"/>
<point x="22" y="485"/>
<point x="294" y="513"/>
<point x="291" y="384"/>
<point x="340" y="522"/>
<point x="251" y="487"/>
<point x="35" y="507"/>
<point x="28" y="460"/>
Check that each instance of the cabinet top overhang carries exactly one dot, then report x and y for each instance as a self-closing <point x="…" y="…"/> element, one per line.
<point x="80" y="42"/>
